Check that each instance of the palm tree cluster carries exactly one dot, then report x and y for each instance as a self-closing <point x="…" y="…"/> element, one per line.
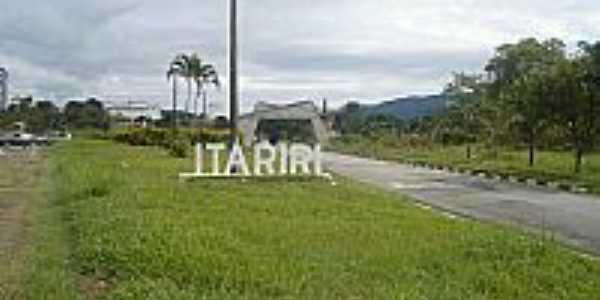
<point x="196" y="73"/>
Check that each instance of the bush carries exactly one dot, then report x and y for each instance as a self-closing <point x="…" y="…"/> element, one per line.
<point x="142" y="137"/>
<point x="208" y="135"/>
<point x="178" y="148"/>
<point x="176" y="142"/>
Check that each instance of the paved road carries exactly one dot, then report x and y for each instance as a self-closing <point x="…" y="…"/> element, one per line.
<point x="572" y="217"/>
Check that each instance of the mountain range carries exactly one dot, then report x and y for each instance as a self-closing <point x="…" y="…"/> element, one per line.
<point x="408" y="108"/>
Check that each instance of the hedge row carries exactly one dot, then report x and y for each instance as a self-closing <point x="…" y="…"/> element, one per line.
<point x="177" y="142"/>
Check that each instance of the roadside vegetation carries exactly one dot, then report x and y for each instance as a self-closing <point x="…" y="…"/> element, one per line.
<point x="532" y="111"/>
<point x="112" y="220"/>
<point x="178" y="142"/>
<point x="43" y="116"/>
<point x="551" y="166"/>
<point x="137" y="232"/>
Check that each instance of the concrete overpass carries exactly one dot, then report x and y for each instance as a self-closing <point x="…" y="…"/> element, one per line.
<point x="300" y="111"/>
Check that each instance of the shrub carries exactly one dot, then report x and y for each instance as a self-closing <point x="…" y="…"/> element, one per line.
<point x="208" y="135"/>
<point x="176" y="142"/>
<point x="142" y="137"/>
<point x="178" y="148"/>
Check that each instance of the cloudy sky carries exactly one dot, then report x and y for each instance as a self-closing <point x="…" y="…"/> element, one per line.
<point x="291" y="49"/>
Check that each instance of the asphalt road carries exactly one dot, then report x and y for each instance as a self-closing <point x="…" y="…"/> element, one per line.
<point x="573" y="218"/>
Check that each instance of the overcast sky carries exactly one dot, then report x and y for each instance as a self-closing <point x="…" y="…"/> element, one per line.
<point x="291" y="49"/>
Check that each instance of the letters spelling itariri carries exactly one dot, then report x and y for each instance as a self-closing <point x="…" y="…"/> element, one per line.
<point x="268" y="160"/>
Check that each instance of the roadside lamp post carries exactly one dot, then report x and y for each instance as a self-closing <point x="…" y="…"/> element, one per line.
<point x="233" y="72"/>
<point x="4" y="88"/>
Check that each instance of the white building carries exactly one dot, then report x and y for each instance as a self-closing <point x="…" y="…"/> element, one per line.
<point x="134" y="112"/>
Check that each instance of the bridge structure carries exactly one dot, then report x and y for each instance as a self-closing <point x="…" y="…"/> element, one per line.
<point x="300" y="111"/>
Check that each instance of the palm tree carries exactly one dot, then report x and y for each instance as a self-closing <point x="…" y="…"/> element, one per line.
<point x="191" y="68"/>
<point x="187" y="65"/>
<point x="206" y="76"/>
<point x="176" y="69"/>
<point x="202" y="75"/>
<point x="195" y="68"/>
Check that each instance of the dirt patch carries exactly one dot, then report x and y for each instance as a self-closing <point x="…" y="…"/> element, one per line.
<point x="12" y="233"/>
<point x="19" y="176"/>
<point x="19" y="179"/>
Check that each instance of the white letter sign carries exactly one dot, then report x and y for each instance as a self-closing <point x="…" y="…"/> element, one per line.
<point x="267" y="162"/>
<point x="237" y="162"/>
<point x="297" y="159"/>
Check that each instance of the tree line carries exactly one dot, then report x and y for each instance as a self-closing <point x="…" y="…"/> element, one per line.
<point x="536" y="93"/>
<point x="43" y="116"/>
<point x="532" y="94"/>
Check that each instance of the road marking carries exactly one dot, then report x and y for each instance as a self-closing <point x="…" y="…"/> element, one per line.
<point x="450" y="216"/>
<point x="423" y="186"/>
<point x="445" y="214"/>
<point x="423" y="206"/>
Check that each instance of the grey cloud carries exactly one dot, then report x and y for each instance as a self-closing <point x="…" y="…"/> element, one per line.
<point x="291" y="49"/>
<point x="328" y="60"/>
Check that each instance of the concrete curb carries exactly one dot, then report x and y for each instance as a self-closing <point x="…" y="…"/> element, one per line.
<point x="502" y="177"/>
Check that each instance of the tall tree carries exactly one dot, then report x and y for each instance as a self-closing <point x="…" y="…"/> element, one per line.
<point x="590" y="64"/>
<point x="176" y="69"/>
<point x="44" y="116"/>
<point x="464" y="115"/>
<point x="206" y="75"/>
<point x="194" y="68"/>
<point x="88" y="114"/>
<point x="463" y="118"/>
<point x="527" y="101"/>
<point x="186" y="64"/>
<point x="518" y="71"/>
<point x="575" y="84"/>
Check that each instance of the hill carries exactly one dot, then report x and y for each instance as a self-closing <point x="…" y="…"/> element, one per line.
<point x="408" y="108"/>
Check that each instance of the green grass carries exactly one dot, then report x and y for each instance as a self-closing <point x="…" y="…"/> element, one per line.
<point x="50" y="274"/>
<point x="550" y="165"/>
<point x="137" y="232"/>
<point x="35" y="264"/>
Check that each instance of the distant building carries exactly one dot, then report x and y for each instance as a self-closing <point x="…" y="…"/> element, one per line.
<point x="3" y="89"/>
<point x="134" y="113"/>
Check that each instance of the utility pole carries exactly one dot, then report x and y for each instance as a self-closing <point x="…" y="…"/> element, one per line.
<point x="233" y="72"/>
<point x="4" y="88"/>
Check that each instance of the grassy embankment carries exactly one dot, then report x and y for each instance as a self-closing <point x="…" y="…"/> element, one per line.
<point x="137" y="232"/>
<point x="550" y="166"/>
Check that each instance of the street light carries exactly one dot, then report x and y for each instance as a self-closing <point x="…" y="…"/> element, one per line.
<point x="233" y="72"/>
<point x="4" y="88"/>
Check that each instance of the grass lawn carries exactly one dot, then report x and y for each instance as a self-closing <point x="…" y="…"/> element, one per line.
<point x="550" y="165"/>
<point x="137" y="232"/>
